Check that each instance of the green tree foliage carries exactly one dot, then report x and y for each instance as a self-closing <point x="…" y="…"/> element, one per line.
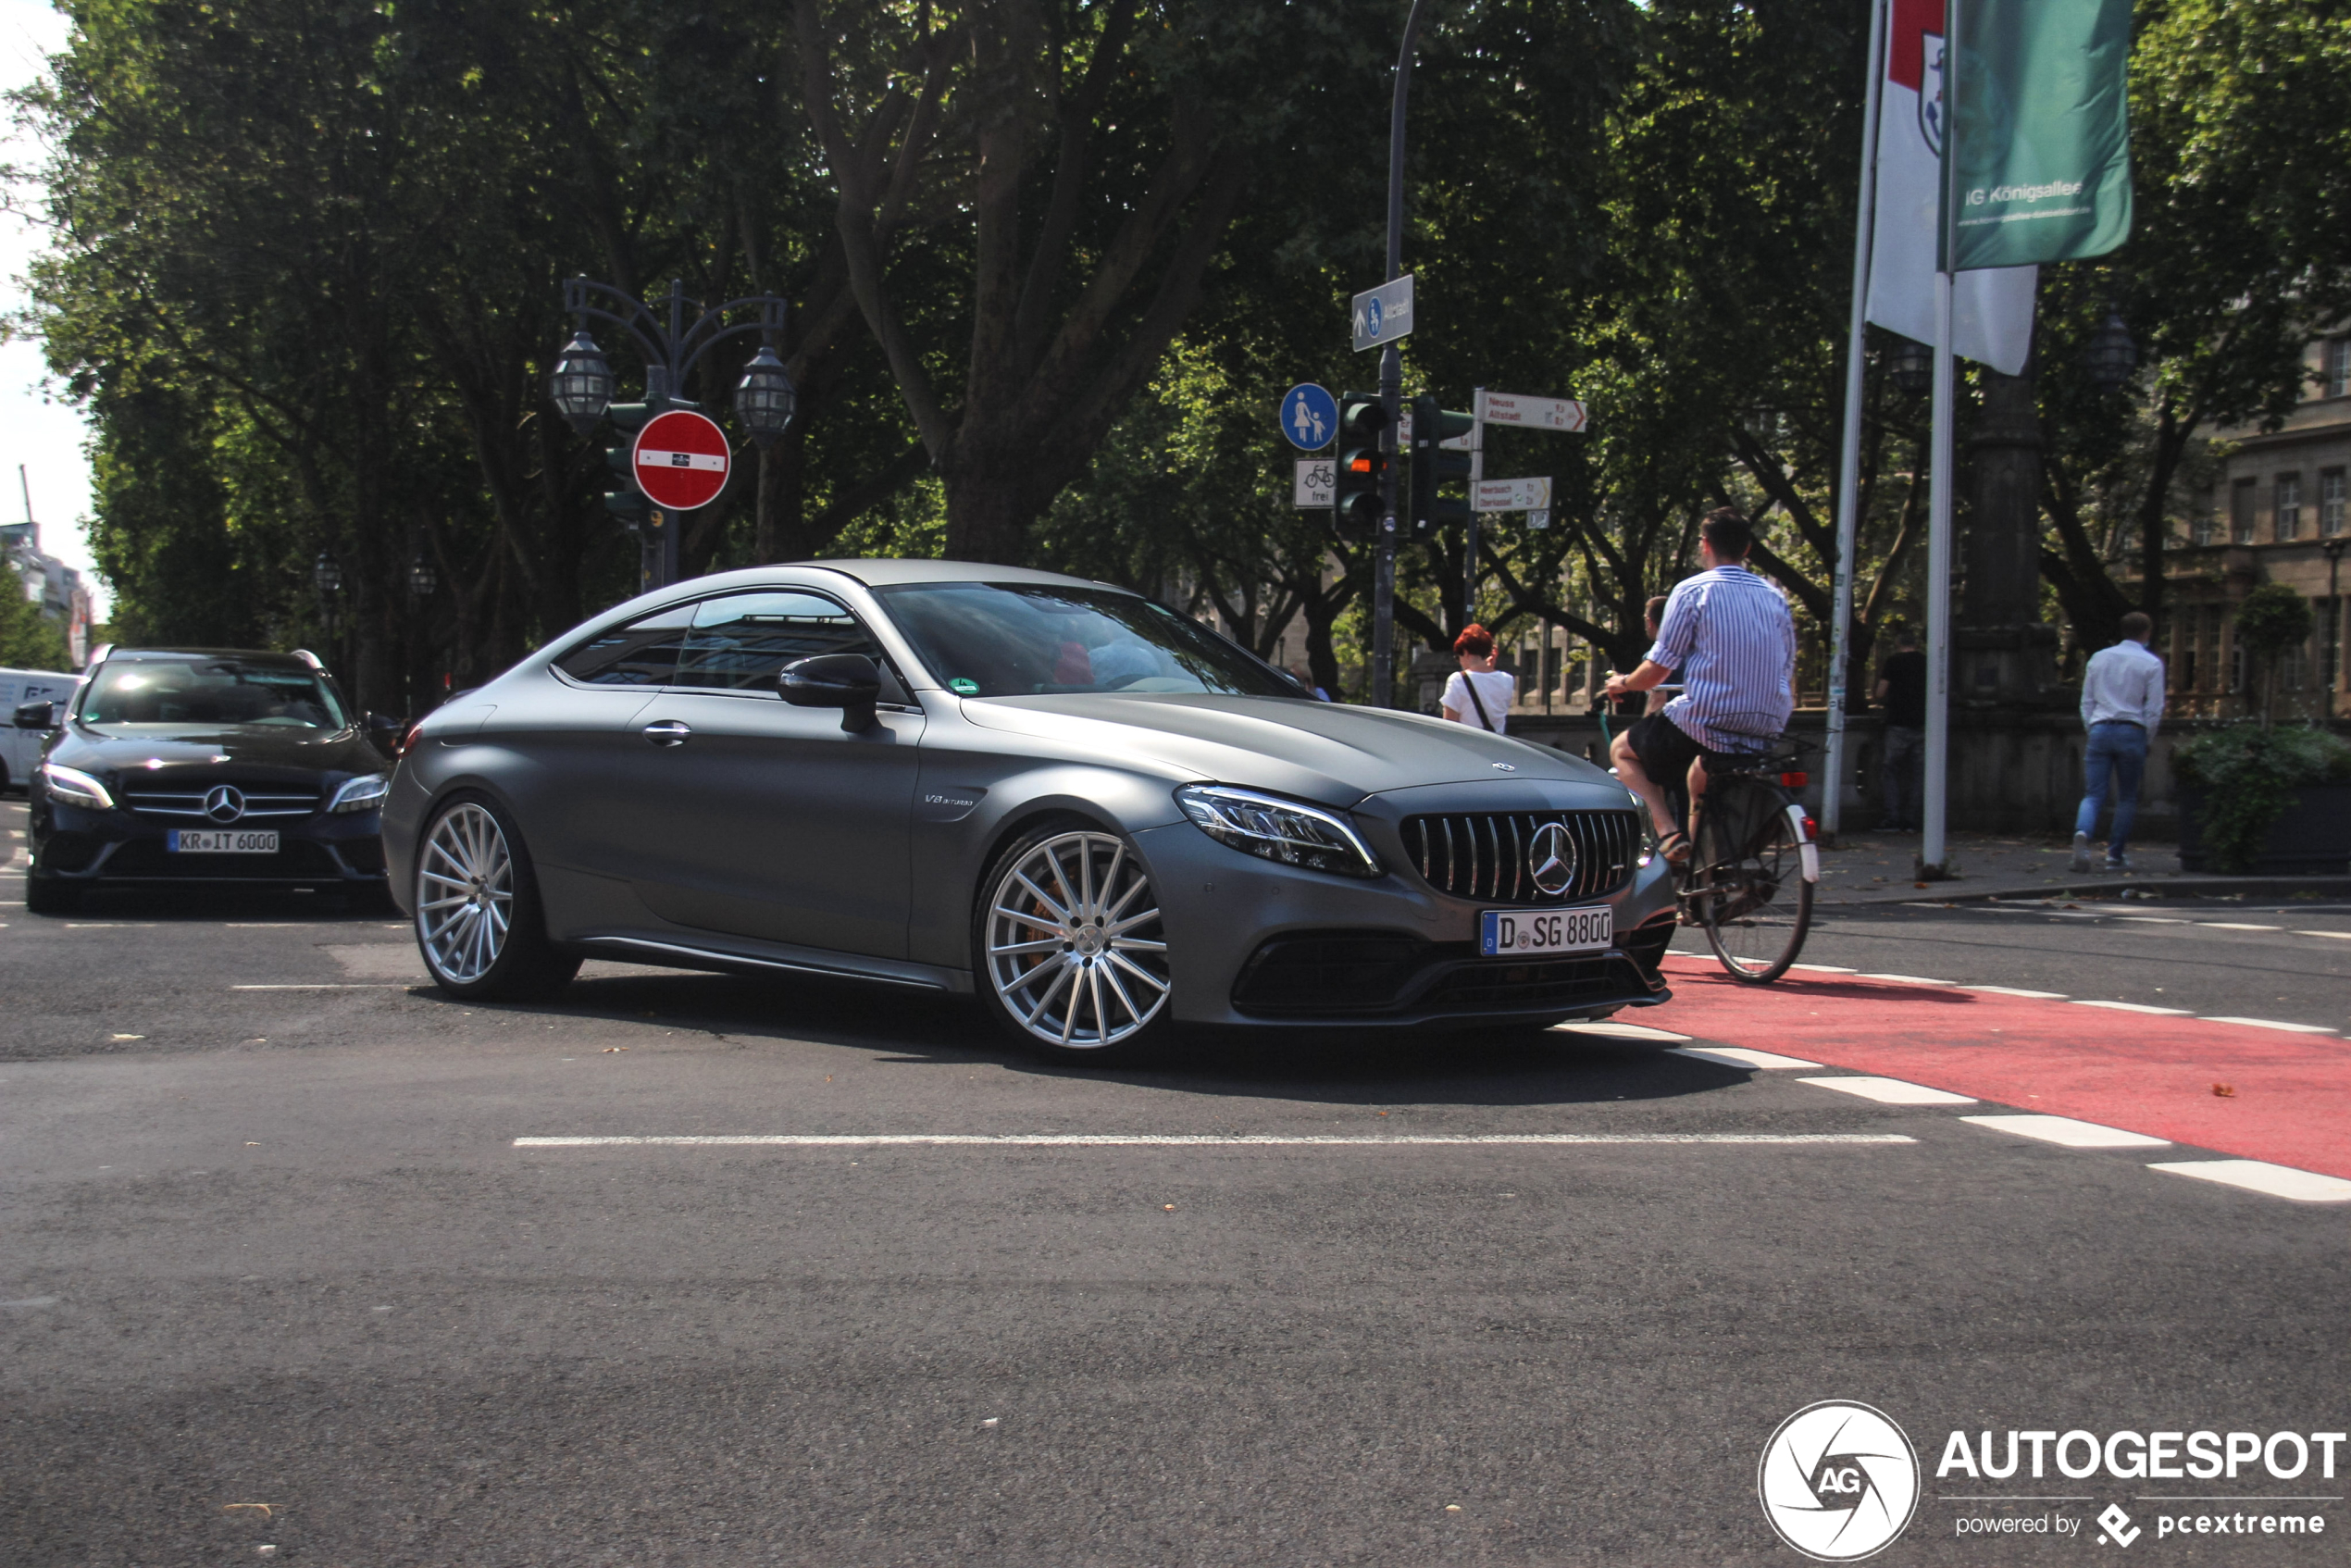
<point x="27" y="640"/>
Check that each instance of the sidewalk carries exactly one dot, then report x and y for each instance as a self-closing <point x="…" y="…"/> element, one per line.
<point x="1870" y="867"/>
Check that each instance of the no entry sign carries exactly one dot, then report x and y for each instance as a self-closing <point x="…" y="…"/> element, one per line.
<point x="680" y="460"/>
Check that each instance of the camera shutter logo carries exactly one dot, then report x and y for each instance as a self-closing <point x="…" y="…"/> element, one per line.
<point x="1838" y="1481"/>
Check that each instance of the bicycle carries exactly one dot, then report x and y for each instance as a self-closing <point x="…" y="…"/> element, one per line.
<point x="1753" y="864"/>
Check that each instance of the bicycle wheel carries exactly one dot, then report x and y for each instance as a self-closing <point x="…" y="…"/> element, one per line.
<point x="1750" y="889"/>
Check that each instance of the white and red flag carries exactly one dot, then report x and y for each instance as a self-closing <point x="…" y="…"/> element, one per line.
<point x="1990" y="310"/>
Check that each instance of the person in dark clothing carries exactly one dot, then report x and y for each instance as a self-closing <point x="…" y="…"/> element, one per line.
<point x="1901" y="691"/>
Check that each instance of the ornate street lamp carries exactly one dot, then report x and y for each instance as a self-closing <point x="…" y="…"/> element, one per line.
<point x="2110" y="355"/>
<point x="422" y="579"/>
<point x="327" y="573"/>
<point x="765" y="399"/>
<point x="1913" y="365"/>
<point x="582" y="383"/>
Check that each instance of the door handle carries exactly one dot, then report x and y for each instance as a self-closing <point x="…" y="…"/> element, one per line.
<point x="669" y="732"/>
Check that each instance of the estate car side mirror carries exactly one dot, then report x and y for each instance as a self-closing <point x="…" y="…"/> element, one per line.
<point x="851" y="683"/>
<point x="384" y="731"/>
<point x="36" y="715"/>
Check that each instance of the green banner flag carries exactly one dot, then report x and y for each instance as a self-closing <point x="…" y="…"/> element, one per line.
<point x="2040" y="156"/>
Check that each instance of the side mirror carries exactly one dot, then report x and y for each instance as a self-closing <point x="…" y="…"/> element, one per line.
<point x="383" y="731"/>
<point x="36" y="715"/>
<point x="851" y="683"/>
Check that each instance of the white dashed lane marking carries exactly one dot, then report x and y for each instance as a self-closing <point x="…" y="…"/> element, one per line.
<point x="2069" y="1132"/>
<point x="2236" y="925"/>
<point x="2271" y="1024"/>
<point x="2012" y="991"/>
<point x="1188" y="1141"/>
<point x="1739" y="1056"/>
<point x="2259" y="1176"/>
<point x="1892" y="1091"/>
<point x="2132" y="1007"/>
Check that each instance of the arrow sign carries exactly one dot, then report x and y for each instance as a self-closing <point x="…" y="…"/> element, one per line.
<point x="1314" y="481"/>
<point x="1309" y="418"/>
<point x="1383" y="314"/>
<point x="680" y="460"/>
<point x="1511" y="495"/>
<point x="1539" y="413"/>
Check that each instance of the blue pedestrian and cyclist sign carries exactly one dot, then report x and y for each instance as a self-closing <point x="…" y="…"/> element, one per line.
<point x="1309" y="418"/>
<point x="1383" y="314"/>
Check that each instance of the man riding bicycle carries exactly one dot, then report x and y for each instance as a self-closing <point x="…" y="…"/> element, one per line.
<point x="1729" y="634"/>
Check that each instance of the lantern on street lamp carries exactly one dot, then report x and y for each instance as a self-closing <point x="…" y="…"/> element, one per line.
<point x="1913" y="365"/>
<point x="422" y="578"/>
<point x="327" y="573"/>
<point x="2110" y="355"/>
<point x="582" y="383"/>
<point x="764" y="401"/>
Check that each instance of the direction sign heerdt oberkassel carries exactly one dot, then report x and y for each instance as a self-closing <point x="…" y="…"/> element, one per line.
<point x="1383" y="314"/>
<point x="680" y="460"/>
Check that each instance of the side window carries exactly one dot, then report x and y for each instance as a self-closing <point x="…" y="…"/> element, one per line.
<point x="643" y="652"/>
<point x="738" y="642"/>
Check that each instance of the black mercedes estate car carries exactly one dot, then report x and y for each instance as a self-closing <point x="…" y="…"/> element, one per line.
<point x="203" y="765"/>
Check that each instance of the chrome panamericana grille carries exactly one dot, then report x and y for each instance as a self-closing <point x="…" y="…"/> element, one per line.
<point x="1484" y="854"/>
<point x="263" y="803"/>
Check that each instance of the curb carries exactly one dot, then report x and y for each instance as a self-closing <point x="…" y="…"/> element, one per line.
<point x="2171" y="886"/>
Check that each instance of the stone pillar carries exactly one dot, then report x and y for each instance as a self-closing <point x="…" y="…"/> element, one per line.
<point x="2003" y="655"/>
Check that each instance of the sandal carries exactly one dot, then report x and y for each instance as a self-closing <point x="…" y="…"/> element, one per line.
<point x="1675" y="847"/>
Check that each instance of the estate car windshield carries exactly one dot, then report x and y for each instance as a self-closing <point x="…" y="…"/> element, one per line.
<point x="210" y="692"/>
<point x="1023" y="639"/>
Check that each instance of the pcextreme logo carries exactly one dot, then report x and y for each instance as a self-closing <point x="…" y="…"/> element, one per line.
<point x="1838" y="1481"/>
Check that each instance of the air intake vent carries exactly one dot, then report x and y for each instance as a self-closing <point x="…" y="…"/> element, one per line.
<point x="1495" y="856"/>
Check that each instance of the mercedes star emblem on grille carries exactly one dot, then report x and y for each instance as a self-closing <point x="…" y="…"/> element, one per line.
<point x="1550" y="858"/>
<point x="224" y="802"/>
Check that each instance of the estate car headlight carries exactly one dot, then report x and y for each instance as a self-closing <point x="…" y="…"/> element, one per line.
<point x="1278" y="829"/>
<point x="363" y="793"/>
<point x="75" y="787"/>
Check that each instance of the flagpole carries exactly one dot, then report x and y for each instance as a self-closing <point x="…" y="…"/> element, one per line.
<point x="1934" y="854"/>
<point x="1848" y="472"/>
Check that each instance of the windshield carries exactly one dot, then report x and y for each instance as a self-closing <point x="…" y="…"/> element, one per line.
<point x="210" y="692"/>
<point x="1019" y="639"/>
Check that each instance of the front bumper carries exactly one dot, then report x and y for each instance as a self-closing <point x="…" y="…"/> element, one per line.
<point x="71" y="845"/>
<point x="1251" y="943"/>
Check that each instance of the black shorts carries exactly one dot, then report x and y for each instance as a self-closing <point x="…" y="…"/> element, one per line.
<point x="1665" y="751"/>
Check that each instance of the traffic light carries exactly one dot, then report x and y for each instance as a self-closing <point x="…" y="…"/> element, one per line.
<point x="627" y="503"/>
<point x="1432" y="466"/>
<point x="1355" y="487"/>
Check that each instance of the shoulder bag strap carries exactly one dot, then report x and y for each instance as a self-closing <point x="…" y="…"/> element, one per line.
<point x="1469" y="682"/>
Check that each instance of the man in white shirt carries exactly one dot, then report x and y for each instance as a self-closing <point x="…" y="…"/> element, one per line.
<point x="2122" y="703"/>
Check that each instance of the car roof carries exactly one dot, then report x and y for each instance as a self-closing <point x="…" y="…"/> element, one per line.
<point x="250" y="655"/>
<point x="888" y="572"/>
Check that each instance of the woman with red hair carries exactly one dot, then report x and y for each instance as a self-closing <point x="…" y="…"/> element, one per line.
<point x="1478" y="694"/>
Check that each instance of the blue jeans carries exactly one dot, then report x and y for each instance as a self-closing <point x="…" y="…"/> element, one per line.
<point x="2118" y="751"/>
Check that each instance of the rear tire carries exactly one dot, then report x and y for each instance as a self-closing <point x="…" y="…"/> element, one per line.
<point x="1752" y="898"/>
<point x="479" y="922"/>
<point x="1071" y="954"/>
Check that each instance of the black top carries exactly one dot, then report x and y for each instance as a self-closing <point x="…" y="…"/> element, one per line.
<point x="1905" y="677"/>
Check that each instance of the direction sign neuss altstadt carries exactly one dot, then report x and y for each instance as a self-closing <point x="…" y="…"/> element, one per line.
<point x="680" y="460"/>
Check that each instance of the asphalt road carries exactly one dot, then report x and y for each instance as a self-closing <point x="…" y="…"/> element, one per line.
<point x="280" y="1247"/>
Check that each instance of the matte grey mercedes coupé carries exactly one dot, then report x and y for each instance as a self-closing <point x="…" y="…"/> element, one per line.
<point x="1102" y="818"/>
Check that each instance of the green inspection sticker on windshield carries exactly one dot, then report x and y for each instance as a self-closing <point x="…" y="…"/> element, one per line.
<point x="964" y="687"/>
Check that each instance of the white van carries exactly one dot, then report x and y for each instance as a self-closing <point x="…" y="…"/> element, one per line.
<point x="20" y="749"/>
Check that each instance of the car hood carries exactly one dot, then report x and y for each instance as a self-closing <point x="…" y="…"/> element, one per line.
<point x="1328" y="752"/>
<point x="116" y="749"/>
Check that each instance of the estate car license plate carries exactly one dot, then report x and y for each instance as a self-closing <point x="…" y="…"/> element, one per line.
<point x="1527" y="933"/>
<point x="220" y="841"/>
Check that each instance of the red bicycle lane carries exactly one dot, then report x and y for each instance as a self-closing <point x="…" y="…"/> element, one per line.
<point x="2287" y="1099"/>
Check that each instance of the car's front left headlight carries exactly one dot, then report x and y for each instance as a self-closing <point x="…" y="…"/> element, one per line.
<point x="75" y="788"/>
<point x="1277" y="829"/>
<point x="363" y="793"/>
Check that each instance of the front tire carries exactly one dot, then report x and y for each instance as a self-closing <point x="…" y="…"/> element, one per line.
<point x="46" y="895"/>
<point x="1752" y="898"/>
<point x="1071" y="949"/>
<point x="479" y="923"/>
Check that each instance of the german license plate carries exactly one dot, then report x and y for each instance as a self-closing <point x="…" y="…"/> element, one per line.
<point x="1529" y="933"/>
<point x="220" y="841"/>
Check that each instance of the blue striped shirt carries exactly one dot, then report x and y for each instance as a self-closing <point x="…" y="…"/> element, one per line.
<point x="1727" y="635"/>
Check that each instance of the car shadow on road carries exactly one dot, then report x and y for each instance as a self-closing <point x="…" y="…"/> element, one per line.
<point x="199" y="905"/>
<point x="1368" y="1067"/>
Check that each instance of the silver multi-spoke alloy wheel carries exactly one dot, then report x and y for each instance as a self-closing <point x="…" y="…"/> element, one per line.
<point x="465" y="894"/>
<point x="1075" y="950"/>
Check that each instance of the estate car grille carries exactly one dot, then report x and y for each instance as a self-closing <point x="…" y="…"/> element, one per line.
<point x="1485" y="854"/>
<point x="262" y="802"/>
